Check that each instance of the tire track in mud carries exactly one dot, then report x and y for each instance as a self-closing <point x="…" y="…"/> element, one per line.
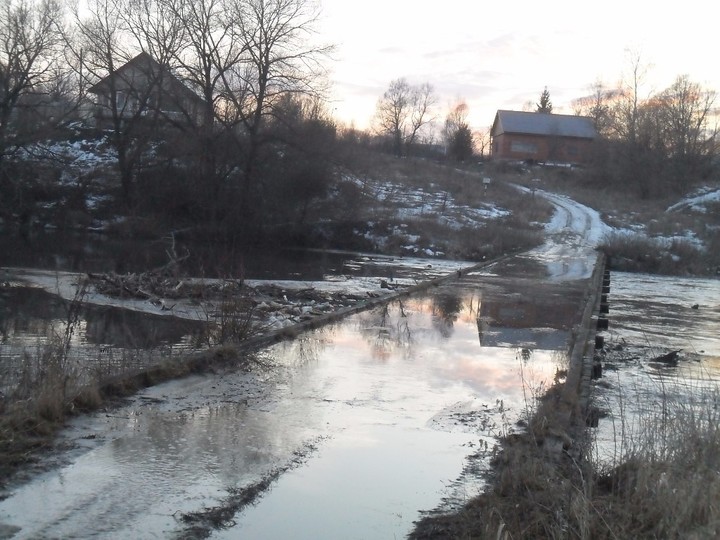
<point x="572" y="237"/>
<point x="202" y="523"/>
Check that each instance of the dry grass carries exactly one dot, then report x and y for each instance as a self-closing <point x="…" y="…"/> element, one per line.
<point x="638" y="253"/>
<point x="386" y="189"/>
<point x="666" y="481"/>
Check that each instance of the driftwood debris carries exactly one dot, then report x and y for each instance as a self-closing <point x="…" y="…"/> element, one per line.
<point x="671" y="358"/>
<point x="155" y="286"/>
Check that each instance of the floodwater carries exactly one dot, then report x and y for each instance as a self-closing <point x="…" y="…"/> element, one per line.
<point x="353" y="432"/>
<point x="103" y="340"/>
<point x="82" y="252"/>
<point x="651" y="316"/>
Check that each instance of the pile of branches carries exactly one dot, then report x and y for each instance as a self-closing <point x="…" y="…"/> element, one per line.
<point x="164" y="282"/>
<point x="153" y="285"/>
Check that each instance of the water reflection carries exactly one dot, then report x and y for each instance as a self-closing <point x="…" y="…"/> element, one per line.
<point x="82" y="252"/>
<point x="541" y="319"/>
<point x="388" y="390"/>
<point x="102" y="341"/>
<point x="446" y="307"/>
<point x="388" y="330"/>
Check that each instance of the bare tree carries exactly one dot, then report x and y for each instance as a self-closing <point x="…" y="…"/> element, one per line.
<point x="101" y="45"/>
<point x="686" y="138"/>
<point x="403" y="111"/>
<point x="281" y="57"/>
<point x="456" y="117"/>
<point x="30" y="45"/>
<point x="206" y="49"/>
<point x="156" y="29"/>
<point x="482" y="141"/>
<point x="597" y="106"/>
<point x="626" y="110"/>
<point x="423" y="101"/>
<point x="686" y="108"/>
<point x="242" y="57"/>
<point x="392" y="112"/>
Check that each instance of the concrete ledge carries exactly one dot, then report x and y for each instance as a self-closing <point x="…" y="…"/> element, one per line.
<point x="576" y="392"/>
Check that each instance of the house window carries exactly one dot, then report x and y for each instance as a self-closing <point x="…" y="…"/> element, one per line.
<point x="523" y="147"/>
<point x="120" y="100"/>
<point x="572" y="150"/>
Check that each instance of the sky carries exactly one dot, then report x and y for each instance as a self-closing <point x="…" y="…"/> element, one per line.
<point x="502" y="54"/>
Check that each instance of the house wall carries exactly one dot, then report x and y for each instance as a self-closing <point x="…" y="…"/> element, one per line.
<point x="541" y="148"/>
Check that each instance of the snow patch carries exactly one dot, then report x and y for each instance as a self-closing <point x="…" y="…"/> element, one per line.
<point x="698" y="202"/>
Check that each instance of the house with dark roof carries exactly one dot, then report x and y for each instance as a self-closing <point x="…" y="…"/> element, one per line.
<point x="542" y="137"/>
<point x="144" y="88"/>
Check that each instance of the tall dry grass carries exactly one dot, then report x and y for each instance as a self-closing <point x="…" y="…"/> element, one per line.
<point x="52" y="383"/>
<point x="640" y="253"/>
<point x="665" y="480"/>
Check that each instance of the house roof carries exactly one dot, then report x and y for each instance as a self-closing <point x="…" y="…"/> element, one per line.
<point x="533" y="123"/>
<point x="145" y="64"/>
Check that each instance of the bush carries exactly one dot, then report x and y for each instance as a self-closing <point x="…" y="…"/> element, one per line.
<point x="638" y="253"/>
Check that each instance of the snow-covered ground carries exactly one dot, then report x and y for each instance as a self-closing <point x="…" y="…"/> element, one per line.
<point x="697" y="202"/>
<point x="80" y="156"/>
<point x="407" y="203"/>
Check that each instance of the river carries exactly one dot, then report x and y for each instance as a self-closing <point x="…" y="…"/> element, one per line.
<point x="651" y="316"/>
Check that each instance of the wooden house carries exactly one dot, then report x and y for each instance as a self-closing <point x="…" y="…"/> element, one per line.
<point x="542" y="137"/>
<point x="142" y="88"/>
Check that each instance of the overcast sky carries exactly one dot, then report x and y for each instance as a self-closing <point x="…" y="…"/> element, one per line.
<point x="501" y="54"/>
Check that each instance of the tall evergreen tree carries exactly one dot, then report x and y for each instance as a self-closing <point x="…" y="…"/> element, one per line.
<point x="545" y="105"/>
<point x="461" y="143"/>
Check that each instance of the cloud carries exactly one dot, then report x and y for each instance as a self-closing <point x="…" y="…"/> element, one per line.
<point x="494" y="58"/>
<point x="393" y="51"/>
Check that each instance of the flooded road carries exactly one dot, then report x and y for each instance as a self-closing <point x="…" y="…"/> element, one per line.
<point x="370" y="420"/>
<point x="352" y="430"/>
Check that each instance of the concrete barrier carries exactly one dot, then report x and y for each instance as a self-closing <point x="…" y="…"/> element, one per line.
<point x="574" y="404"/>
